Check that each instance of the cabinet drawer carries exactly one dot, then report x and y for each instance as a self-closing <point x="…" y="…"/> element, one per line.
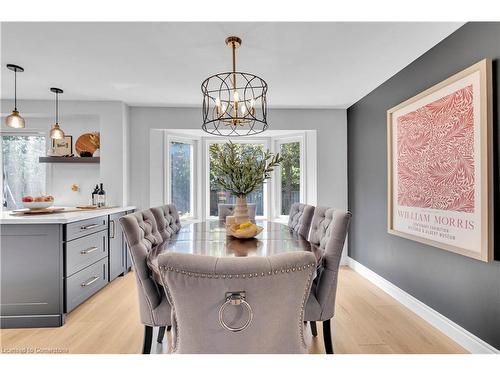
<point x="84" y="251"/>
<point x="85" y="227"/>
<point x="85" y="283"/>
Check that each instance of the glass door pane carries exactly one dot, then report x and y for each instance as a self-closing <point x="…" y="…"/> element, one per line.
<point x="290" y="175"/>
<point x="181" y="177"/>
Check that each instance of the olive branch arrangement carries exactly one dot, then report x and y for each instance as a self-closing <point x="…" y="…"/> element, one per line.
<point x="241" y="172"/>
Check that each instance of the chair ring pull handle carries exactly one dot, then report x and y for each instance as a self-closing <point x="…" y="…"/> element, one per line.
<point x="235" y="298"/>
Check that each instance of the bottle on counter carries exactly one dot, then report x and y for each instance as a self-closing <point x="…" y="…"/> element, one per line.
<point x="101" y="197"/>
<point x="94" y="195"/>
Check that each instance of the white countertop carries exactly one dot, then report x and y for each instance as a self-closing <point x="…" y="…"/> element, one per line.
<point x="60" y="217"/>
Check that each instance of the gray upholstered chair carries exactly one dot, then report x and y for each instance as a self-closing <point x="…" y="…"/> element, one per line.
<point x="227" y="209"/>
<point x="238" y="305"/>
<point x="141" y="234"/>
<point x="167" y="219"/>
<point x="328" y="232"/>
<point x="300" y="217"/>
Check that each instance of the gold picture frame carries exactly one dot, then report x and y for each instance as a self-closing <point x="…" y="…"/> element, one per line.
<point x="440" y="165"/>
<point x="62" y="147"/>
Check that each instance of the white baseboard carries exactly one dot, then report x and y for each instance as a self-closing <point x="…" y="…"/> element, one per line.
<point x="458" y="334"/>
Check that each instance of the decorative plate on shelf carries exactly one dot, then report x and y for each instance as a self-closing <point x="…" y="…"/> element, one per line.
<point x="84" y="143"/>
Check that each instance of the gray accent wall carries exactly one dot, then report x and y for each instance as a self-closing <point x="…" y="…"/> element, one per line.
<point x="464" y="290"/>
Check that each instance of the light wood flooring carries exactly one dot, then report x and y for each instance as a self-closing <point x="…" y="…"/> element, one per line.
<point x="367" y="321"/>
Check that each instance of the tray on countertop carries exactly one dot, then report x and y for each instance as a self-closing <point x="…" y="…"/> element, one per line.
<point x="57" y="210"/>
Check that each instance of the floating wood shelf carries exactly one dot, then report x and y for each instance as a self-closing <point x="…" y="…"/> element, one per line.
<point x="67" y="159"/>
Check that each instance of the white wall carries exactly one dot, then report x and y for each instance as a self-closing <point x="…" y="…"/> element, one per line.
<point x="331" y="146"/>
<point x="77" y="117"/>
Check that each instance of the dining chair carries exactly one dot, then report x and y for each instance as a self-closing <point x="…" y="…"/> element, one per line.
<point x="328" y="232"/>
<point x="142" y="235"/>
<point x="167" y="219"/>
<point x="237" y="305"/>
<point x="300" y="217"/>
<point x="227" y="209"/>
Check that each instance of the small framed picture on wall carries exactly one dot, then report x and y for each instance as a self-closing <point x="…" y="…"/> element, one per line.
<point x="62" y="147"/>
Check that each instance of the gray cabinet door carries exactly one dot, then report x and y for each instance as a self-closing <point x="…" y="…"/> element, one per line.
<point x="84" y="251"/>
<point x="117" y="255"/>
<point x="83" y="284"/>
<point x="31" y="273"/>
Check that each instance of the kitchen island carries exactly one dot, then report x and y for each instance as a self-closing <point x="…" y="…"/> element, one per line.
<point x="52" y="263"/>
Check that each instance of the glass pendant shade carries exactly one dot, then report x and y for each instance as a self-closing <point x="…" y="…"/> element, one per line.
<point x="14" y="120"/>
<point x="56" y="132"/>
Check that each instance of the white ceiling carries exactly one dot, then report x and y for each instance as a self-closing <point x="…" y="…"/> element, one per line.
<point x="305" y="64"/>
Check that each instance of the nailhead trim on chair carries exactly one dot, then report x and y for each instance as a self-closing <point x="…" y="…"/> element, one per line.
<point x="229" y="276"/>
<point x="223" y="276"/>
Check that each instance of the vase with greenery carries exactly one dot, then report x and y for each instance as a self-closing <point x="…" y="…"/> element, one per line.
<point x="241" y="171"/>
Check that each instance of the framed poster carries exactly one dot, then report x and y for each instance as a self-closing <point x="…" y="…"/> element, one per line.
<point x="62" y="147"/>
<point x="440" y="165"/>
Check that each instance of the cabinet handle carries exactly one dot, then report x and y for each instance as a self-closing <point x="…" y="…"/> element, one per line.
<point x="89" y="250"/>
<point x="90" y="281"/>
<point x="85" y="227"/>
<point x="114" y="229"/>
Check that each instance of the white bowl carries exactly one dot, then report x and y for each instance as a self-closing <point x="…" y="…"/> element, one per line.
<point x="37" y="205"/>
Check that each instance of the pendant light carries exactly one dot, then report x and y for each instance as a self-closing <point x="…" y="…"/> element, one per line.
<point x="234" y="103"/>
<point x="14" y="120"/>
<point x="56" y="132"/>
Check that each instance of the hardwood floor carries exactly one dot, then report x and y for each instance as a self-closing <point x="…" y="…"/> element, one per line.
<point x="367" y="321"/>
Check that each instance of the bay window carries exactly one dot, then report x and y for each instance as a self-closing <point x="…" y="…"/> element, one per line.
<point x="191" y="181"/>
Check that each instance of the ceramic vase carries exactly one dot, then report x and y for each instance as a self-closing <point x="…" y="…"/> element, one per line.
<point x="241" y="210"/>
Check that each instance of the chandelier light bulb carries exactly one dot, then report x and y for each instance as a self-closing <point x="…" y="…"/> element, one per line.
<point x="217" y="102"/>
<point x="236" y="97"/>
<point x="243" y="109"/>
<point x="252" y="103"/>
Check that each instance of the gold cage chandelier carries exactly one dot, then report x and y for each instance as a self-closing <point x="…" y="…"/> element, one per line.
<point x="234" y="103"/>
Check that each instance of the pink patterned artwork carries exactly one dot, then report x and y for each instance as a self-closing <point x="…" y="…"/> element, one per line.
<point x="439" y="170"/>
<point x="435" y="154"/>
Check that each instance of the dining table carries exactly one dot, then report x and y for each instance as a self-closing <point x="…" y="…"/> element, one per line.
<point x="210" y="238"/>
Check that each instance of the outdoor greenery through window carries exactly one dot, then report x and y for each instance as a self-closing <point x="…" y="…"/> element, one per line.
<point x="219" y="195"/>
<point x="290" y="175"/>
<point x="22" y="173"/>
<point x="181" y="177"/>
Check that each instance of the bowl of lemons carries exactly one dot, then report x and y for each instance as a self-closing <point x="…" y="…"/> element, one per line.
<point x="244" y="230"/>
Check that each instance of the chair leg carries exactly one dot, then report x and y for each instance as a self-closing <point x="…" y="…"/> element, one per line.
<point x="161" y="333"/>
<point x="169" y="328"/>
<point x="148" y="337"/>
<point x="327" y="337"/>
<point x="314" y="330"/>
